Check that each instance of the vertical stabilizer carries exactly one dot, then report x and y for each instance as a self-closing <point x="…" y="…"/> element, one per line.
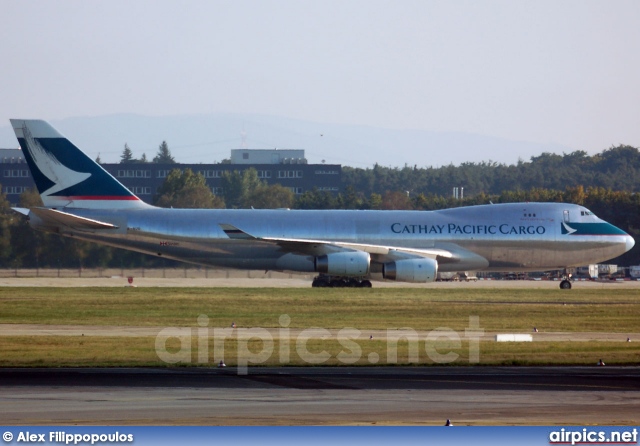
<point x="64" y="175"/>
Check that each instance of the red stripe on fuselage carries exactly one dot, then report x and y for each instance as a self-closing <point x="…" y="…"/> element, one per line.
<point x="99" y="197"/>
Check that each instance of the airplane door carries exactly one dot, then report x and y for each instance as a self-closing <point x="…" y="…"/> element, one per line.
<point x="565" y="216"/>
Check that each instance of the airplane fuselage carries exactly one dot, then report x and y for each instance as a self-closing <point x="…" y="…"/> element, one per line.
<point x="502" y="237"/>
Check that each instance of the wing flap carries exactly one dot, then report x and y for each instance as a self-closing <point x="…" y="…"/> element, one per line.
<point x="318" y="247"/>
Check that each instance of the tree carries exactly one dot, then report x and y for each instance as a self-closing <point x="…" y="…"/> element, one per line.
<point x="238" y="185"/>
<point x="232" y="188"/>
<point x="269" y="197"/>
<point x="144" y="158"/>
<point x="396" y="201"/>
<point x="186" y="190"/>
<point x="8" y="218"/>
<point x="315" y="199"/>
<point x="27" y="244"/>
<point x="127" y="156"/>
<point x="375" y="201"/>
<point x="30" y="198"/>
<point x="164" y="155"/>
<point x="351" y="199"/>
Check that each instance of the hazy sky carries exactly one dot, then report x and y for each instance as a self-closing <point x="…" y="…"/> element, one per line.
<point x="566" y="72"/>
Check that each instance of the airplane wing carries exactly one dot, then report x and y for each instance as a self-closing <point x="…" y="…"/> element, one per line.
<point x="318" y="247"/>
<point x="68" y="220"/>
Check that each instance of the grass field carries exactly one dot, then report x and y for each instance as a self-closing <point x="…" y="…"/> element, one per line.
<point x="499" y="310"/>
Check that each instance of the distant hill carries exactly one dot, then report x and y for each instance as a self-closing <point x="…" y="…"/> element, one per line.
<point x="209" y="138"/>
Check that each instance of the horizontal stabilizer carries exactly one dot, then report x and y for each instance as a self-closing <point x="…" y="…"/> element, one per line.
<point x="60" y="218"/>
<point x="23" y="211"/>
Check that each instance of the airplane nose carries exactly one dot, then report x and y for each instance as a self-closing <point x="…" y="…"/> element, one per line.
<point x="630" y="242"/>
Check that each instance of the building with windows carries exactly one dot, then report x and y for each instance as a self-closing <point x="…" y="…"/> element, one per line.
<point x="16" y="177"/>
<point x="275" y="156"/>
<point x="288" y="168"/>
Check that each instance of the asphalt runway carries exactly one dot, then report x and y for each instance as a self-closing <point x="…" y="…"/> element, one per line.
<point x="320" y="395"/>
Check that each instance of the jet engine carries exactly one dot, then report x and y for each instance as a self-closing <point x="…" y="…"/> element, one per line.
<point x="411" y="270"/>
<point x="350" y="263"/>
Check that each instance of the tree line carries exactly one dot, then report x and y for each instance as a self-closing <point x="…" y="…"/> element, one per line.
<point x="617" y="168"/>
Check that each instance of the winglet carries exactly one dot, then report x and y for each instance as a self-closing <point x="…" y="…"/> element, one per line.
<point x="235" y="233"/>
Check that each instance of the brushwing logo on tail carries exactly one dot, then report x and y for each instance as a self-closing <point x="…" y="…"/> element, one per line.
<point x="51" y="167"/>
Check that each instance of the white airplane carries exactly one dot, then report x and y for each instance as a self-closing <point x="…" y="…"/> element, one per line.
<point x="83" y="201"/>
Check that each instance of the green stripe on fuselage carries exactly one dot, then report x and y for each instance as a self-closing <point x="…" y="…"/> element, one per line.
<point x="591" y="229"/>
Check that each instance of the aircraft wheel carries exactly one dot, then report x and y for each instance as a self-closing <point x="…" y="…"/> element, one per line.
<point x="319" y="282"/>
<point x="565" y="285"/>
<point x="365" y="284"/>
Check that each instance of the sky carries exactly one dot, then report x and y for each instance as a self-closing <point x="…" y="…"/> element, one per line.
<point x="561" y="72"/>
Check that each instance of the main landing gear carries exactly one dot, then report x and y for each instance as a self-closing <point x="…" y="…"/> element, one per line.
<point x="339" y="282"/>
<point x="565" y="284"/>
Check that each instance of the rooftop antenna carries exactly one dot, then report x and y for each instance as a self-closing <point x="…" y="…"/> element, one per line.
<point x="243" y="135"/>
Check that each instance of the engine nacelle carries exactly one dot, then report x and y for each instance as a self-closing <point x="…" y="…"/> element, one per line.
<point x="411" y="270"/>
<point x="351" y="263"/>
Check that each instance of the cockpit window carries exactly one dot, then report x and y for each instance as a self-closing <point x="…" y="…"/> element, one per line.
<point x="585" y="213"/>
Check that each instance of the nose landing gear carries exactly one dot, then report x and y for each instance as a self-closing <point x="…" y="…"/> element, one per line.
<point x="565" y="284"/>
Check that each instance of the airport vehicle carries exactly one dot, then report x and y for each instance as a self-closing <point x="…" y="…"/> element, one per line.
<point x="347" y="248"/>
